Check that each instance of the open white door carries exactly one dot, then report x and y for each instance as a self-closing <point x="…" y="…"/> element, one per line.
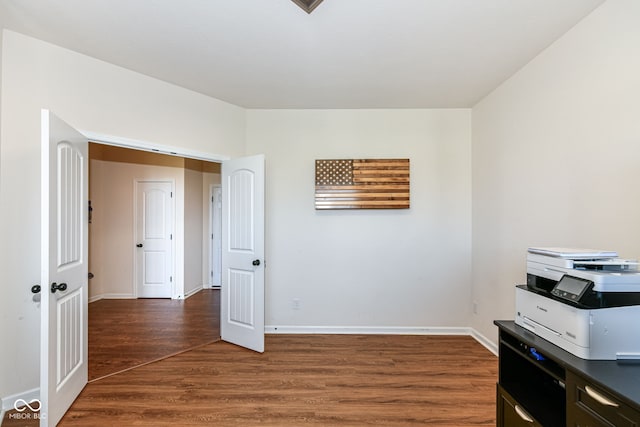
<point x="64" y="265"/>
<point x="242" y="289"/>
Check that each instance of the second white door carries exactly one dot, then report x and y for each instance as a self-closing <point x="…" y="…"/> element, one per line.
<point x="242" y="290"/>
<point x="154" y="216"/>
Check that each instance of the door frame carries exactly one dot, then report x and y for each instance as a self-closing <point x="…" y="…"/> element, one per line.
<point x="215" y="233"/>
<point x="135" y="144"/>
<point x="146" y="146"/>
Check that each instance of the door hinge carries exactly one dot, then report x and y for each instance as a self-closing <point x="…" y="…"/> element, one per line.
<point x="171" y="194"/>
<point x="170" y="278"/>
<point x="170" y="236"/>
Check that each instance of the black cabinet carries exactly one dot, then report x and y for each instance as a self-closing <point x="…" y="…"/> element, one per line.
<point x="534" y="381"/>
<point x="540" y="384"/>
<point x="511" y="413"/>
<point x="592" y="406"/>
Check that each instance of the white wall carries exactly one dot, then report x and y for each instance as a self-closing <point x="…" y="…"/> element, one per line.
<point x="3" y="15"/>
<point x="193" y="229"/>
<point x="556" y="156"/>
<point x="90" y="95"/>
<point x="1" y="49"/>
<point x="210" y="176"/>
<point x="403" y="268"/>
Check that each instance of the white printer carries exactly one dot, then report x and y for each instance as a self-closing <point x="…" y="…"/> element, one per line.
<point x="584" y="301"/>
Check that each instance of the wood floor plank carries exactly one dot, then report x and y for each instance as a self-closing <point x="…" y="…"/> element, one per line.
<point x="124" y="334"/>
<point x="321" y="380"/>
<point x="127" y="333"/>
<point x="346" y="380"/>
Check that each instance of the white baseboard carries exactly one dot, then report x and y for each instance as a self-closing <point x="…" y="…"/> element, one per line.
<point x="367" y="330"/>
<point x="131" y="296"/>
<point x="486" y="342"/>
<point x="193" y="292"/>
<point x="111" y="296"/>
<point x="9" y="401"/>
<point x="385" y="330"/>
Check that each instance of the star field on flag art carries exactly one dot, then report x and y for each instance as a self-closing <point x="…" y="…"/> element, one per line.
<point x="334" y="172"/>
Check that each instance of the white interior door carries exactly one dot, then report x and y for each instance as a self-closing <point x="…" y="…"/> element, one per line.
<point x="154" y="238"/>
<point x="242" y="290"/>
<point x="64" y="265"/>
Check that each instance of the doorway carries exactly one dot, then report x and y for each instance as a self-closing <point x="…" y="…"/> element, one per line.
<point x="115" y="174"/>
<point x="241" y="302"/>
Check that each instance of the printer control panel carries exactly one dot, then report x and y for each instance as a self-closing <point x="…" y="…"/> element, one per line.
<point x="571" y="288"/>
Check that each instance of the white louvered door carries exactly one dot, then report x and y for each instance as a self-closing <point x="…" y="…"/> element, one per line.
<point x="242" y="288"/>
<point x="64" y="257"/>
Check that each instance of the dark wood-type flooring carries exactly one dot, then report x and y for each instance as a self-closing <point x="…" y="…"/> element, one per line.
<point x="127" y="333"/>
<point x="323" y="380"/>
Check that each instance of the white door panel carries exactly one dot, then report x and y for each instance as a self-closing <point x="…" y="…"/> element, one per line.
<point x="64" y="331"/>
<point x="242" y="291"/>
<point x="154" y="232"/>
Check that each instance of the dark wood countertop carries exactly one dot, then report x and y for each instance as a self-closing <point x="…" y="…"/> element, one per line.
<point x="620" y="379"/>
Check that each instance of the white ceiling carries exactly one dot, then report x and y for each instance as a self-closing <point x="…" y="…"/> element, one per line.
<point x="346" y="54"/>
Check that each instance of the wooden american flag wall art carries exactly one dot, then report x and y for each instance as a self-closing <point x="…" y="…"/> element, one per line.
<point x="362" y="184"/>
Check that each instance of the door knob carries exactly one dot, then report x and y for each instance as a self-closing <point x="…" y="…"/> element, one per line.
<point x="139" y="245"/>
<point x="256" y="262"/>
<point x="55" y="287"/>
<point x="35" y="289"/>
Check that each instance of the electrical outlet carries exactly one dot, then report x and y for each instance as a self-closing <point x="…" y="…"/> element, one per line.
<point x="295" y="303"/>
<point x="475" y="307"/>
